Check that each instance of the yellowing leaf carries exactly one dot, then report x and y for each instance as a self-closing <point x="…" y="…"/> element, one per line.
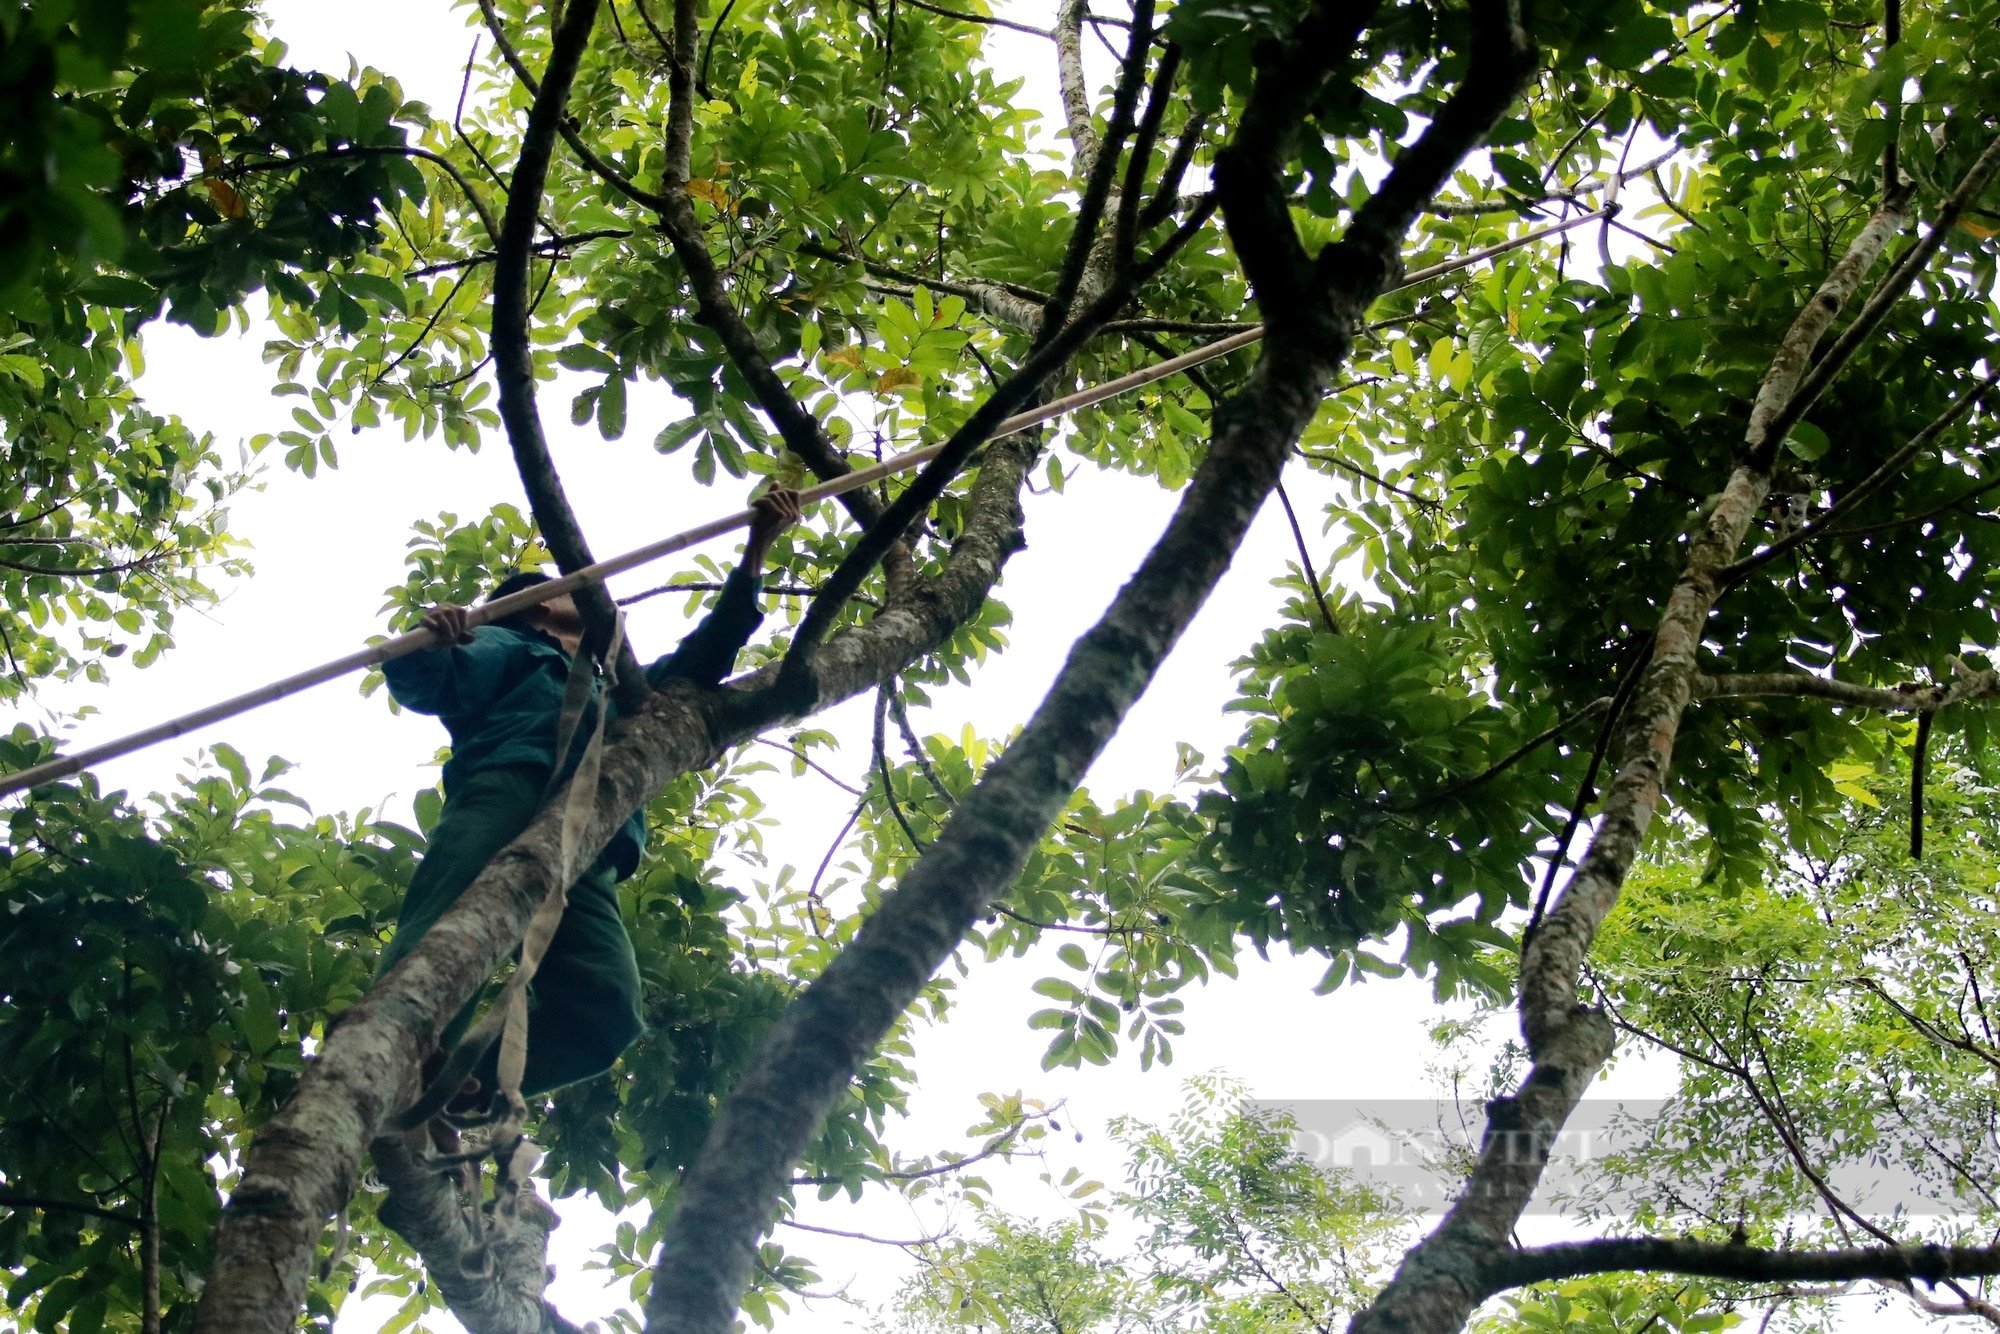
<point x="896" y="379"/>
<point x="713" y="193"/>
<point x="227" y="202"/>
<point x="1980" y="228"/>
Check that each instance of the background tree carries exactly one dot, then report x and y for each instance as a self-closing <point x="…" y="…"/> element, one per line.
<point x="1234" y="1232"/>
<point x="1543" y="471"/>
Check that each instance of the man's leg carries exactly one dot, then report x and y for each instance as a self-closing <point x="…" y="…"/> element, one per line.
<point x="487" y="812"/>
<point x="583" y="1005"/>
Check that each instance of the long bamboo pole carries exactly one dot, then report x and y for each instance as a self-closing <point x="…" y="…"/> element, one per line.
<point x="62" y="766"/>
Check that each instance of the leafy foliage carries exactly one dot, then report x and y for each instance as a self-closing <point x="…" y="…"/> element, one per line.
<point x="170" y="965"/>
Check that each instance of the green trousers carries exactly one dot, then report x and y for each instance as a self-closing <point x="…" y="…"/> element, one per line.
<point x="583" y="1005"/>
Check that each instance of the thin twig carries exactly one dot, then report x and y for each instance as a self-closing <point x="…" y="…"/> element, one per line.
<point x="1586" y="791"/>
<point x="984" y="19"/>
<point x="47" y="1204"/>
<point x="880" y="744"/>
<point x="1306" y="561"/>
<point x="418" y="341"/>
<point x="1966" y="401"/>
<point x="997" y="1147"/>
<point x="1357" y="470"/>
<point x="815" y="766"/>
<point x="550" y="246"/>
<point x="1919" y="762"/>
<point x="716" y="586"/>
<point x="918" y="1244"/>
<point x="1505" y="762"/>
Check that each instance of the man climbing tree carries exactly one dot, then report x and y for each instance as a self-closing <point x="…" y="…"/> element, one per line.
<point x="499" y="690"/>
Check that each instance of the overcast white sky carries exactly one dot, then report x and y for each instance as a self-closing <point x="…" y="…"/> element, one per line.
<point x="326" y="548"/>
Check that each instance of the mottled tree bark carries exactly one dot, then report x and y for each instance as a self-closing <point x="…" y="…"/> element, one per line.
<point x="491" y="1272"/>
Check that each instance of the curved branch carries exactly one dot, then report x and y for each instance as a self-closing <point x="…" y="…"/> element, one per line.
<point x="708" y="47"/>
<point x="513" y="366"/>
<point x="985" y="19"/>
<point x="801" y="432"/>
<point x="598" y="167"/>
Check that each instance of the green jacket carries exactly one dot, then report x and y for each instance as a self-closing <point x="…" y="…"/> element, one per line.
<point x="500" y="696"/>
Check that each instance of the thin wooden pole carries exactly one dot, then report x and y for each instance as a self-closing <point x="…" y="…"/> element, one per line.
<point x="62" y="766"/>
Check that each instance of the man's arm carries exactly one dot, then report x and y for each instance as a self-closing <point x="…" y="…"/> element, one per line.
<point x="461" y="674"/>
<point x="708" y="653"/>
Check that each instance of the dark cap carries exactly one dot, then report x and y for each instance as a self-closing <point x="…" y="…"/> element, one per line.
<point x="514" y="583"/>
